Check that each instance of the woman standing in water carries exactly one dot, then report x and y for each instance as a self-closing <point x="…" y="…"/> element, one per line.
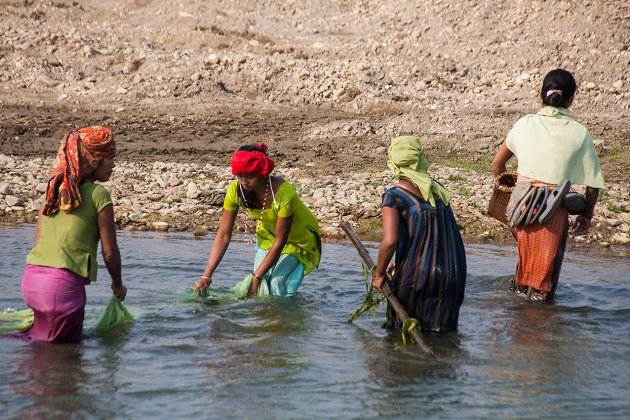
<point x="75" y="215"/>
<point x="418" y="225"/>
<point x="287" y="233"/>
<point x="551" y="148"/>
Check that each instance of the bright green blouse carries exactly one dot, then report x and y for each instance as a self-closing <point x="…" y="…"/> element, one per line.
<point x="304" y="242"/>
<point x="70" y="240"/>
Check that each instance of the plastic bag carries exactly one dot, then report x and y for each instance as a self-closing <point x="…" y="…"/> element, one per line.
<point x="114" y="316"/>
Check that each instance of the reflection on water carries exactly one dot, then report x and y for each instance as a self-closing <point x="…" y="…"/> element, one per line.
<point x="298" y="358"/>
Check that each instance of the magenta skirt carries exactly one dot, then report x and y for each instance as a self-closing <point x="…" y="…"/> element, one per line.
<point x="57" y="297"/>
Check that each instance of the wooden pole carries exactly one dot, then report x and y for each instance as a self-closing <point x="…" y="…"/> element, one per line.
<point x="391" y="298"/>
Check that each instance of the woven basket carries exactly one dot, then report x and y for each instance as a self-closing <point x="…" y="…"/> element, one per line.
<point x="503" y="185"/>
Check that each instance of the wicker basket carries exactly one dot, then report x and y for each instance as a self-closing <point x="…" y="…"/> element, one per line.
<point x="503" y="185"/>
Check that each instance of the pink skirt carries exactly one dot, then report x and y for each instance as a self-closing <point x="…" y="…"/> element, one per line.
<point x="57" y="297"/>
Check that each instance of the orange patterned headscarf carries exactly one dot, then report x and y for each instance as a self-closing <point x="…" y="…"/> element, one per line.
<point x="80" y="153"/>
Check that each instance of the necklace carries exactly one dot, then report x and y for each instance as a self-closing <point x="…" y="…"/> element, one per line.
<point x="259" y="221"/>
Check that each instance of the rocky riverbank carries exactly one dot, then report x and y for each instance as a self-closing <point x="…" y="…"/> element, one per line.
<point x="175" y="197"/>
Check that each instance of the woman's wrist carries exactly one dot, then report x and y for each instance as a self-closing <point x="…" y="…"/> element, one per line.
<point x="379" y="274"/>
<point x="255" y="277"/>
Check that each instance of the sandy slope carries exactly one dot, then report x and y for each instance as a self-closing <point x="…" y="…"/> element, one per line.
<point x="319" y="81"/>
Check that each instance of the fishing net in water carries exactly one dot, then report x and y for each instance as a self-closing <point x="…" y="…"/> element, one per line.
<point x="12" y="321"/>
<point x="238" y="291"/>
<point x="115" y="315"/>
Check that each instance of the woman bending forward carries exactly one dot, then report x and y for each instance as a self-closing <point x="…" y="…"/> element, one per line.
<point x="287" y="234"/>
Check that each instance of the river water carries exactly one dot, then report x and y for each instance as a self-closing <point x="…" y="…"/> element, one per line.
<point x="298" y="358"/>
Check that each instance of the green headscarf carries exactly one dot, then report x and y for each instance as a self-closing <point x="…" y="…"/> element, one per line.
<point x="407" y="161"/>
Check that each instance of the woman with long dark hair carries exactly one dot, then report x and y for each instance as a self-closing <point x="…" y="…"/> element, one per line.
<point x="551" y="148"/>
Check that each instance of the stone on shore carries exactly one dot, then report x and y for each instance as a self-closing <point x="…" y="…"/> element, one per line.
<point x="160" y="226"/>
<point x="13" y="201"/>
<point x="621" y="238"/>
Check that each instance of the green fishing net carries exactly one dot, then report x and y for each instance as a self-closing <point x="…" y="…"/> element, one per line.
<point x="238" y="291"/>
<point x="115" y="315"/>
<point x="12" y="321"/>
<point x="241" y="289"/>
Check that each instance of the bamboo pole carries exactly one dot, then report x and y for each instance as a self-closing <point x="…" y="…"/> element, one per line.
<point x="391" y="298"/>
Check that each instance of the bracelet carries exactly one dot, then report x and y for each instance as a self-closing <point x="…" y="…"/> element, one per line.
<point x="204" y="277"/>
<point x="255" y="276"/>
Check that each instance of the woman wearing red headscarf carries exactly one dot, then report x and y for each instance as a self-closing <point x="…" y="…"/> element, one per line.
<point x="75" y="215"/>
<point x="287" y="233"/>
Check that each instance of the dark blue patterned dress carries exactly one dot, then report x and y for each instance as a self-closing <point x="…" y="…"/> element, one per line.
<point x="430" y="260"/>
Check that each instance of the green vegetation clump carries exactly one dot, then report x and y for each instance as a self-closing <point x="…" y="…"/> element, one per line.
<point x="464" y="192"/>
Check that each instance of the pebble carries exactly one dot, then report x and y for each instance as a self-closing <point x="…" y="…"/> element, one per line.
<point x="160" y="226"/>
<point x="13" y="201"/>
<point x="621" y="238"/>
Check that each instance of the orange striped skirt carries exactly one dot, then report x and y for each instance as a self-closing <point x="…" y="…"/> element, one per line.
<point x="541" y="248"/>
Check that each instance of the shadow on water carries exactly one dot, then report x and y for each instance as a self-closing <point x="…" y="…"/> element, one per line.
<point x="220" y="357"/>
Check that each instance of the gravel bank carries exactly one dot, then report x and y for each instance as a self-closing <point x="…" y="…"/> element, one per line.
<point x="174" y="197"/>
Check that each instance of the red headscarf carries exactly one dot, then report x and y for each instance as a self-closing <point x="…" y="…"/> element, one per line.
<point x="254" y="162"/>
<point x="80" y="153"/>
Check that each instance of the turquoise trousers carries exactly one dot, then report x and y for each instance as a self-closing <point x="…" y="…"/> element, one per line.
<point x="284" y="278"/>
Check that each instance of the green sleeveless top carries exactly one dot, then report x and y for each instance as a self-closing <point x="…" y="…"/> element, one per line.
<point x="304" y="242"/>
<point x="70" y="240"/>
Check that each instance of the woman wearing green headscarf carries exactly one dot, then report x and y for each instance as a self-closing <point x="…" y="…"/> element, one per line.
<point x="429" y="274"/>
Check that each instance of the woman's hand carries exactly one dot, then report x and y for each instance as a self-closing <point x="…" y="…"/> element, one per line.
<point x="202" y="284"/>
<point x="581" y="225"/>
<point x="391" y="268"/>
<point x="253" y="287"/>
<point x="377" y="282"/>
<point x="119" y="291"/>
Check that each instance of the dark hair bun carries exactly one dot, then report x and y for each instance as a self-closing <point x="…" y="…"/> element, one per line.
<point x="558" y="86"/>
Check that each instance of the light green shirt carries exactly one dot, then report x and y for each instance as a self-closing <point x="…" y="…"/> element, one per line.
<point x="552" y="147"/>
<point x="70" y="240"/>
<point x="304" y="242"/>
